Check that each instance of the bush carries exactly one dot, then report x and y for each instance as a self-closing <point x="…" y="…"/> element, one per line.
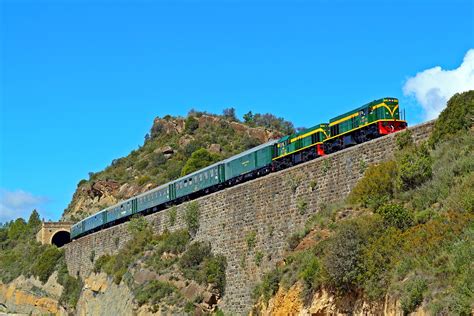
<point x="142" y="164"/>
<point x="457" y="117"/>
<point x="154" y="293"/>
<point x="302" y="205"/>
<point x="83" y="181"/>
<point x="310" y="271"/>
<point x="404" y="139"/>
<point x="269" y="285"/>
<point x="376" y="186"/>
<point x="251" y="239"/>
<point x="414" y="168"/>
<point x="378" y="259"/>
<point x="343" y="253"/>
<point x="172" y="215"/>
<point x="101" y="263"/>
<point x="191" y="125"/>
<point x="199" y="159"/>
<point x="174" y="242"/>
<point x="214" y="271"/>
<point x="72" y="287"/>
<point x="191" y="217"/>
<point x="195" y="254"/>
<point x="143" y="180"/>
<point x="395" y="215"/>
<point x="413" y="294"/>
<point x="45" y="264"/>
<point x="258" y="258"/>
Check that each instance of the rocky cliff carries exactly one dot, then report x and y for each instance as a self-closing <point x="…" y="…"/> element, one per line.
<point x="30" y="296"/>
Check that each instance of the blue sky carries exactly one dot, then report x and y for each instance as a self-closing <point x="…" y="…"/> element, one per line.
<point x="81" y="81"/>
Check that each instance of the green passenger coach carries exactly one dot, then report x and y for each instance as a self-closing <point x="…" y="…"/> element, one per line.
<point x="253" y="162"/>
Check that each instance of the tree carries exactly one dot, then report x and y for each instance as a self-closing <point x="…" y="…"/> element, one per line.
<point x="229" y="114"/>
<point x="34" y="222"/>
<point x="199" y="159"/>
<point x="17" y="229"/>
<point x="248" y="118"/>
<point x="191" y="124"/>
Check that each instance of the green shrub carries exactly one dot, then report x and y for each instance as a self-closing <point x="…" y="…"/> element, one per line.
<point x="142" y="164"/>
<point x="251" y="239"/>
<point x="191" y="125"/>
<point x="172" y="215"/>
<point x="258" y="258"/>
<point x="45" y="264"/>
<point x="156" y="292"/>
<point x="310" y="271"/>
<point x="83" y="181"/>
<point x="101" y="263"/>
<point x="343" y="253"/>
<point x="379" y="257"/>
<point x="191" y="217"/>
<point x="395" y="215"/>
<point x="457" y="117"/>
<point x="404" y="139"/>
<point x="268" y="286"/>
<point x="376" y="186"/>
<point x="143" y="180"/>
<point x="174" y="242"/>
<point x="302" y="205"/>
<point x="461" y="197"/>
<point x="195" y="254"/>
<point x="139" y="227"/>
<point x="412" y="295"/>
<point x="214" y="271"/>
<point x="199" y="159"/>
<point x="72" y="287"/>
<point x="414" y="168"/>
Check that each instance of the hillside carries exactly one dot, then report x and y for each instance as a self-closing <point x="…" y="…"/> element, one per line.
<point x="167" y="153"/>
<point x="402" y="242"/>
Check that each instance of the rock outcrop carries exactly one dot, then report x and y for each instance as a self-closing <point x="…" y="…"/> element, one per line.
<point x="323" y="302"/>
<point x="30" y="296"/>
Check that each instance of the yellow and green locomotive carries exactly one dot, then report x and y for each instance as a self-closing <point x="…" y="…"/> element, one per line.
<point x="372" y="120"/>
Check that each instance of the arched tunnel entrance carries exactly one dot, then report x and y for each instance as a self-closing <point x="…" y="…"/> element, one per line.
<point x="61" y="238"/>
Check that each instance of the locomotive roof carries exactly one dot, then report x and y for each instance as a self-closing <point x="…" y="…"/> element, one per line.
<point x="307" y="130"/>
<point x="359" y="108"/>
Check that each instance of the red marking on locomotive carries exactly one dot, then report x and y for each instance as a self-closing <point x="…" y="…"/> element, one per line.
<point x="386" y="128"/>
<point x="320" y="150"/>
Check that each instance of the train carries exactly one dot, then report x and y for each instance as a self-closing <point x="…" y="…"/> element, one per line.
<point x="369" y="121"/>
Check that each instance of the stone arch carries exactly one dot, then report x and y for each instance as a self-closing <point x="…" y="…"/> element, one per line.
<point x="60" y="238"/>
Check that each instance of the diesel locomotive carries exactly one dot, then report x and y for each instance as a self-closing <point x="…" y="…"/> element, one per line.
<point x="377" y="118"/>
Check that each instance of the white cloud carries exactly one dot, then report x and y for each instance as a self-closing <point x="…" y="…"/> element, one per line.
<point x="14" y="204"/>
<point x="433" y="87"/>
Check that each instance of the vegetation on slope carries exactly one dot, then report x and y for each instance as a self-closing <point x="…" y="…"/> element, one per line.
<point x="173" y="260"/>
<point x="413" y="236"/>
<point x="21" y="254"/>
<point x="175" y="147"/>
